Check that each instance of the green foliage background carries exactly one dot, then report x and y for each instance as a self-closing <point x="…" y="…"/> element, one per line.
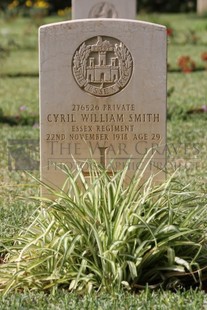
<point x="166" y="6"/>
<point x="145" y="5"/>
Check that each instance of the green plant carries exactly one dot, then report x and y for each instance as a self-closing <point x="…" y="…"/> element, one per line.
<point x="105" y="234"/>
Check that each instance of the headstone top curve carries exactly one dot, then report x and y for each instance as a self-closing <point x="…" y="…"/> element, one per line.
<point x="104" y="20"/>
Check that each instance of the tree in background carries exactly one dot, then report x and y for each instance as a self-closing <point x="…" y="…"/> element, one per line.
<point x="54" y="5"/>
<point x="146" y="5"/>
<point x="5" y="4"/>
<point x="142" y="5"/>
<point x="166" y="5"/>
<point x="60" y="4"/>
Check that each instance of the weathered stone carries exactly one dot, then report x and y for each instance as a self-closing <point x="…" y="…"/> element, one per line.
<point x="201" y="7"/>
<point x="102" y="92"/>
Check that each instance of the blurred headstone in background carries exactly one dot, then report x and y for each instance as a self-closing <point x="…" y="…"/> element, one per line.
<point x="104" y="9"/>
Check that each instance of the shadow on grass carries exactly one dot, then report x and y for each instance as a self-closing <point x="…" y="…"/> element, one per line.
<point x="30" y="120"/>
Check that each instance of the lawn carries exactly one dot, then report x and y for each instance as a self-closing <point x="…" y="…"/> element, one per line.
<point x="186" y="130"/>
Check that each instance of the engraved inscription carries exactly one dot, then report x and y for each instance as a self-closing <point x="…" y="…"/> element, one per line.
<point x="102" y="66"/>
<point x="104" y="117"/>
<point x="102" y="160"/>
<point x="103" y="155"/>
<point x="113" y="123"/>
<point x="103" y="10"/>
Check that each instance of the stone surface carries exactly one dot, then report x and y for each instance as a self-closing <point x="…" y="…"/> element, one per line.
<point x="201" y="6"/>
<point x="102" y="92"/>
<point x="104" y="9"/>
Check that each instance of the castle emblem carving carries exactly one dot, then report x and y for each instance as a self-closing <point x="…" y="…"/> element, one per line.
<point x="103" y="10"/>
<point x="102" y="66"/>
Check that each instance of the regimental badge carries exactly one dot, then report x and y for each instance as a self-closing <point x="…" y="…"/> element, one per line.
<point x="103" y="10"/>
<point x="102" y="66"/>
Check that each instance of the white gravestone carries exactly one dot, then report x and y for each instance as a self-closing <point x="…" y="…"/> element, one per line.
<point x="102" y="92"/>
<point x="201" y="7"/>
<point x="103" y="9"/>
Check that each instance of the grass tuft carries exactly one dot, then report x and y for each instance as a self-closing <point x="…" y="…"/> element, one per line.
<point x="104" y="234"/>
